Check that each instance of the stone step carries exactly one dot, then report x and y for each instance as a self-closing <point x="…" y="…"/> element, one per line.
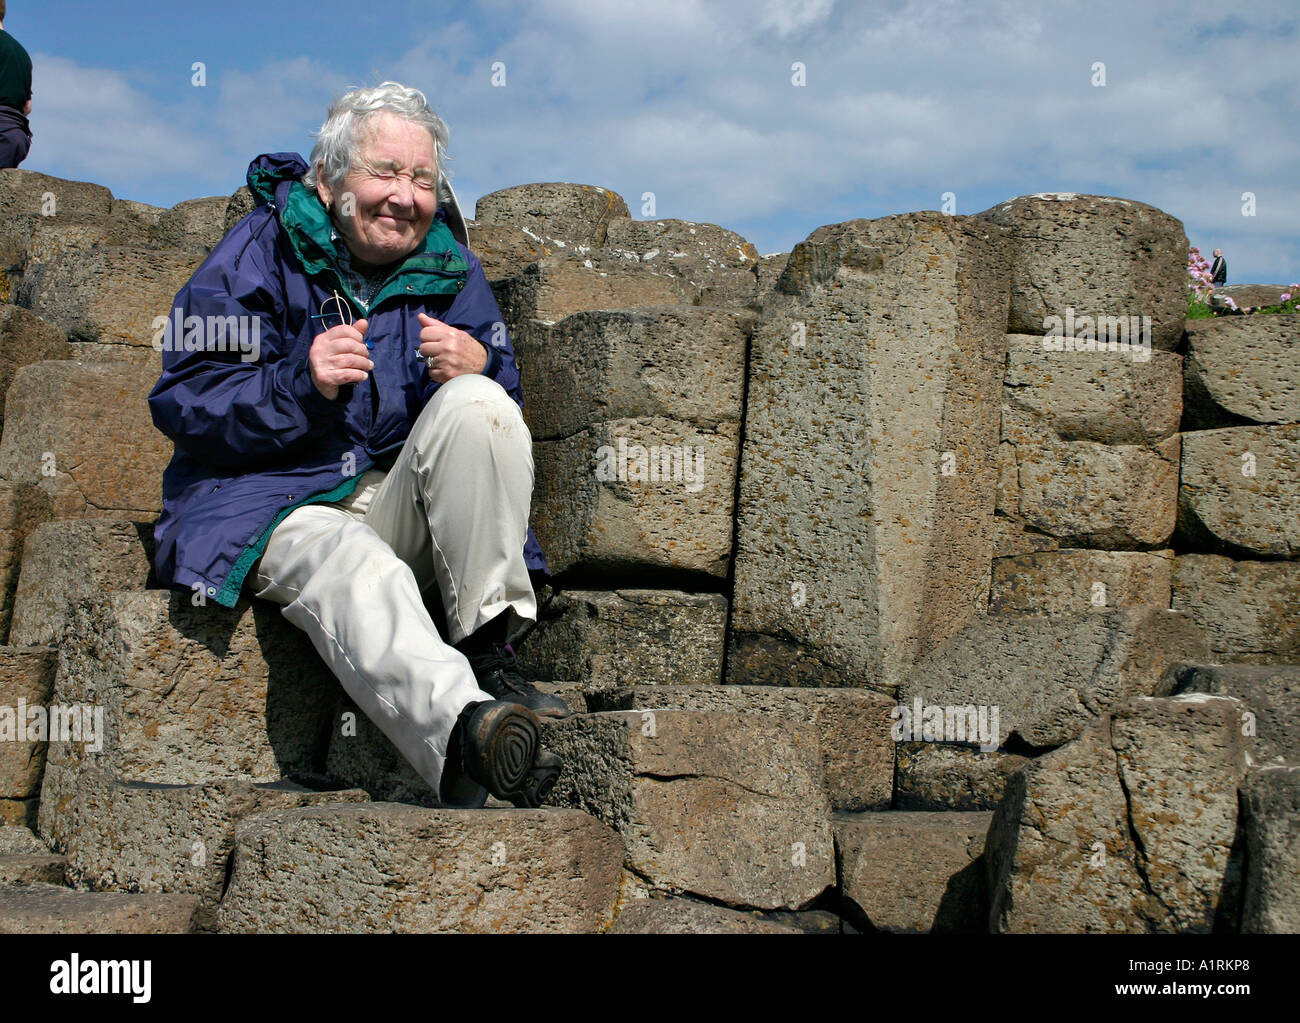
<point x="944" y="776"/>
<point x="108" y="293"/>
<point x="25" y="338"/>
<point x="47" y="909"/>
<point x="1240" y="490"/>
<point x="638" y="498"/>
<point x="1073" y="580"/>
<point x="76" y="557"/>
<point x="1271" y="693"/>
<point x="683" y="916"/>
<point x="1270" y="799"/>
<point x="569" y="282"/>
<point x="852" y="726"/>
<point x="674" y="362"/>
<point x="1249" y="610"/>
<point x="83" y="434"/>
<point x="1241" y="369"/>
<point x="23" y="507"/>
<point x="722" y="806"/>
<point x="719" y="262"/>
<point x="20" y="841"/>
<point x="26" y="685"/>
<point x="1130" y="828"/>
<point x="913" y="872"/>
<point x="599" y="638"/>
<point x="164" y="838"/>
<point x="1085" y="493"/>
<point x="386" y="867"/>
<point x="188" y="694"/>
<point x="1043" y="679"/>
<point x="554" y="212"/>
<point x="32" y="868"/>
<point x="1132" y="396"/>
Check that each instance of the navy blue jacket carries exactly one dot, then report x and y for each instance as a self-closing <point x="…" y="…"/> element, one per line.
<point x="254" y="438"/>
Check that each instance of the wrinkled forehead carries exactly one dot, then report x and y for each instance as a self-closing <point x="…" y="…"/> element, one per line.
<point x="389" y="142"/>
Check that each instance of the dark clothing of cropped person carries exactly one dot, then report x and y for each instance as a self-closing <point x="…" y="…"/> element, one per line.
<point x="15" y="98"/>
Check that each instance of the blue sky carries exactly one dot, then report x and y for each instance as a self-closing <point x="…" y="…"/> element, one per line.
<point x="694" y="101"/>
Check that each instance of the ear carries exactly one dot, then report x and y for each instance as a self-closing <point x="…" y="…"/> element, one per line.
<point x="322" y="189"/>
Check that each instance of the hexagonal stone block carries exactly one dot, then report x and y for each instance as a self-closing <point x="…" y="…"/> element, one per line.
<point x="1249" y="610"/>
<point x="1130" y="828"/>
<point x="1240" y="490"/>
<point x="863" y="543"/>
<point x="1045" y="679"/>
<point x="603" y="639"/>
<point x="853" y="728"/>
<point x="1242" y="369"/>
<point x="1069" y="581"/>
<point x="404" y="869"/>
<point x="727" y="807"/>
<point x="1097" y="255"/>
<point x="913" y="872"/>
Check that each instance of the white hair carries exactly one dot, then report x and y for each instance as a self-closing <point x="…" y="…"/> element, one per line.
<point x="340" y="136"/>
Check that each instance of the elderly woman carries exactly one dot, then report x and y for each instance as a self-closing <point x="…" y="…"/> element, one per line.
<point x="369" y="451"/>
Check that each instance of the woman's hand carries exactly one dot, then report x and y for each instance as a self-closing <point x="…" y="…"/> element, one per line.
<point x="452" y="350"/>
<point x="339" y="356"/>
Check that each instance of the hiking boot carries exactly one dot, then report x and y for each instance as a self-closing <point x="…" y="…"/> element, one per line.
<point x="498" y="746"/>
<point x="498" y="675"/>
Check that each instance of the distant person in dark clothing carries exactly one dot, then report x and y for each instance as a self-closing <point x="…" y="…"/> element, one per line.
<point x="1219" y="268"/>
<point x="15" y="98"/>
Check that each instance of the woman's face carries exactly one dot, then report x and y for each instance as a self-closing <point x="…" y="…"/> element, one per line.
<point x="385" y="205"/>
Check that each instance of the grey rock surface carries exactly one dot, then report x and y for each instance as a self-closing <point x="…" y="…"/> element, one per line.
<point x="677" y="362"/>
<point x="852" y="728"/>
<point x="725" y="807"/>
<point x="682" y="916"/>
<point x="1087" y="494"/>
<point x="1129" y="828"/>
<point x="1242" y="368"/>
<point x="385" y="867"/>
<point x="1073" y="580"/>
<point x="1123" y="397"/>
<point x="554" y="212"/>
<point x="602" y="639"/>
<point x="26" y="682"/>
<point x="1271" y="694"/>
<point x="1249" y="610"/>
<point x="940" y="776"/>
<point x="72" y="557"/>
<point x="48" y="909"/>
<point x="1051" y="677"/>
<point x="914" y="872"/>
<point x="1270" y="800"/>
<point x="865" y="522"/>
<point x="1240" y="490"/>
<point x="165" y="839"/>
<point x="1100" y="256"/>
<point x="637" y="497"/>
<point x="83" y="434"/>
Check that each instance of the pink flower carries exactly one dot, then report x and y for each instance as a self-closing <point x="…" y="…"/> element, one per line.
<point x="1286" y="297"/>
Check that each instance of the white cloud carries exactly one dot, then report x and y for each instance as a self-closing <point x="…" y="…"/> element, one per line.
<point x="693" y="100"/>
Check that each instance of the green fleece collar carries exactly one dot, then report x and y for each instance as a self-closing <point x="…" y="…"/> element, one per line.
<point x="435" y="268"/>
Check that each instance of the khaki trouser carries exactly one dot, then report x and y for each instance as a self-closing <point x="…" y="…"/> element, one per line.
<point x="452" y="513"/>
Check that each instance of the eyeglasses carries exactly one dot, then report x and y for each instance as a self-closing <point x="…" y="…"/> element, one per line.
<point x="336" y="307"/>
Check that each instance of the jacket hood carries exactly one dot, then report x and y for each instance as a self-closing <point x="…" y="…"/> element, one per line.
<point x="271" y="175"/>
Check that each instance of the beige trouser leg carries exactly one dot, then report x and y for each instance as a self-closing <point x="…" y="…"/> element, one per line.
<point x="452" y="512"/>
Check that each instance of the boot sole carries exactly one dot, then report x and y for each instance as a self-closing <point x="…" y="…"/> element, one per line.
<point x="515" y="767"/>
